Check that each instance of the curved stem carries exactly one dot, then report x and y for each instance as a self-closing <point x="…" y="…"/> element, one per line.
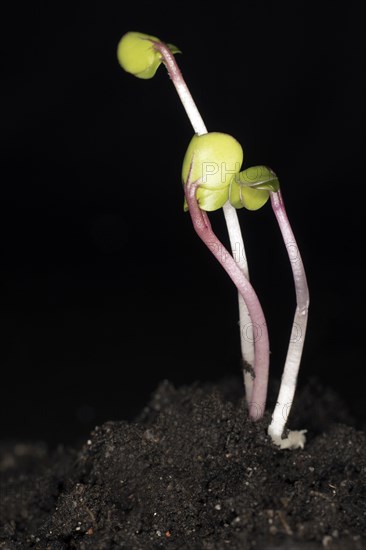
<point x="204" y="230"/>
<point x="293" y="359"/>
<point x="230" y="214"/>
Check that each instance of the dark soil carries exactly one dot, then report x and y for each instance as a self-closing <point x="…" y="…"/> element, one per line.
<point x="192" y="473"/>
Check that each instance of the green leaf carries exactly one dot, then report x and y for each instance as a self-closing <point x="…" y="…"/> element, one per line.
<point x="210" y="200"/>
<point x="137" y="55"/>
<point x="251" y="187"/>
<point x="174" y="49"/>
<point x="211" y="161"/>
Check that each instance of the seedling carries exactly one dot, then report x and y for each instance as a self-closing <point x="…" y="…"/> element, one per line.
<point x="212" y="179"/>
<point x="209" y="192"/>
<point x="141" y="55"/>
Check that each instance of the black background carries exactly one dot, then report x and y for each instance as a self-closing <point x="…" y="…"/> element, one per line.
<point x="105" y="288"/>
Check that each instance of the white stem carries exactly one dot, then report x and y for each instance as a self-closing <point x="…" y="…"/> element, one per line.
<point x="245" y="323"/>
<point x="293" y="359"/>
<point x="231" y="219"/>
<point x="182" y="89"/>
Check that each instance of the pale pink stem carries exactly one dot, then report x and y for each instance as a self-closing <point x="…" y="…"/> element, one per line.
<point x="230" y="214"/>
<point x="293" y="359"/>
<point x="182" y="88"/>
<point x="204" y="230"/>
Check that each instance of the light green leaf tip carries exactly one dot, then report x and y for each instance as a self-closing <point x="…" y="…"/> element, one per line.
<point x="212" y="160"/>
<point x="174" y="49"/>
<point x="251" y="187"/>
<point x="137" y="54"/>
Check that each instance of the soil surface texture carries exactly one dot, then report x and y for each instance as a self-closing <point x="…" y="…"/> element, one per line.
<point x="192" y="472"/>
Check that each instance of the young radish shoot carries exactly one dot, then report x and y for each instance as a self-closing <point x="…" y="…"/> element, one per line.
<point x="254" y="178"/>
<point x="210" y="184"/>
<point x="208" y="191"/>
<point x="294" y="353"/>
<point x="141" y="55"/>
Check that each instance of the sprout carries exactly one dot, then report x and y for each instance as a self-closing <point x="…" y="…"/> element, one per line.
<point x="251" y="189"/>
<point x="285" y="398"/>
<point x="165" y="54"/>
<point x="213" y="161"/>
<point x="212" y="179"/>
